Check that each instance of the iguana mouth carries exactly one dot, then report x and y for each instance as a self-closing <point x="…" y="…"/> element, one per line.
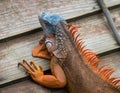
<point x="91" y="58"/>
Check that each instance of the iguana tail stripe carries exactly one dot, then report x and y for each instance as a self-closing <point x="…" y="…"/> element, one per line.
<point x="92" y="59"/>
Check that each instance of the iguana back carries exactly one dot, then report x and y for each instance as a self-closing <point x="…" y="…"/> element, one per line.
<point x="81" y="65"/>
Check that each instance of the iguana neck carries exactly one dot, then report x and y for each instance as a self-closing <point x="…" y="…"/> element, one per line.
<point x="81" y="70"/>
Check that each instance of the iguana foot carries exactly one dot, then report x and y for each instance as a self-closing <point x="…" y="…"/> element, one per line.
<point x="33" y="69"/>
<point x="57" y="80"/>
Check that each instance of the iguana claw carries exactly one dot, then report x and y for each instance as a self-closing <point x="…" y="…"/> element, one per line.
<point x="32" y="68"/>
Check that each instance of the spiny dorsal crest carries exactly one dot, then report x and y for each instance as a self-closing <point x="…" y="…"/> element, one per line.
<point x="92" y="59"/>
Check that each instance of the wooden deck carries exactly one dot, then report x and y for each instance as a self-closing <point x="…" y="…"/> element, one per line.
<point x="20" y="31"/>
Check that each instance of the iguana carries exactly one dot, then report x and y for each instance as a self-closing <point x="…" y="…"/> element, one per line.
<point x="72" y="65"/>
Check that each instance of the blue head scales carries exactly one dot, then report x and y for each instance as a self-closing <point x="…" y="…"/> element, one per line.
<point x="52" y="19"/>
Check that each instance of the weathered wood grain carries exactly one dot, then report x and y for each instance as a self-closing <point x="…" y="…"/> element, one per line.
<point x="21" y="16"/>
<point x="29" y="87"/>
<point x="94" y="31"/>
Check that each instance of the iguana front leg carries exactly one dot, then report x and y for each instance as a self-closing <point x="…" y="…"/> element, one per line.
<point x="40" y="50"/>
<point x="56" y="80"/>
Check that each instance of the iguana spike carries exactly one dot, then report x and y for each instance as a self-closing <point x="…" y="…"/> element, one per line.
<point x="69" y="25"/>
<point x="105" y="72"/>
<point x="73" y="33"/>
<point x="111" y="79"/>
<point x="96" y="63"/>
<point x="109" y="74"/>
<point x="78" y="42"/>
<point x="73" y="28"/>
<point x="91" y="59"/>
<point x="88" y="53"/>
<point x="81" y="45"/>
<point x="116" y="82"/>
<point x="76" y="38"/>
<point x="85" y="51"/>
<point x="100" y="69"/>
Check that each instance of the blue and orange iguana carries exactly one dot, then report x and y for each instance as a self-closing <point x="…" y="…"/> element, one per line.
<point x="72" y="65"/>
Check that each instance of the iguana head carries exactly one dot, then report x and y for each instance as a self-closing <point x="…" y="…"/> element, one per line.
<point x="54" y="34"/>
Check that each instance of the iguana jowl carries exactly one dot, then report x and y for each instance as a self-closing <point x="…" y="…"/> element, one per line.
<point x="72" y="65"/>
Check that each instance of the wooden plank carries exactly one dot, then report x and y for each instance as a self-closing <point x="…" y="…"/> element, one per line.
<point x="18" y="17"/>
<point x="29" y="87"/>
<point x="94" y="31"/>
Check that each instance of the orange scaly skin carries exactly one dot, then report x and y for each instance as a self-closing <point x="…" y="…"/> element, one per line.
<point x="72" y="65"/>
